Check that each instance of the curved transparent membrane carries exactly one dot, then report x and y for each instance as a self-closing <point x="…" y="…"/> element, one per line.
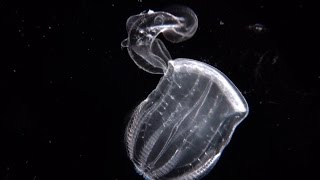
<point x="181" y="128"/>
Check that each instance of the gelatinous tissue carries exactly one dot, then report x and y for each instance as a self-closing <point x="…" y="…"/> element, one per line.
<point x="180" y="130"/>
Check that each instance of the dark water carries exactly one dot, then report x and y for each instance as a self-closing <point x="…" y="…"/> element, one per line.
<point x="67" y="88"/>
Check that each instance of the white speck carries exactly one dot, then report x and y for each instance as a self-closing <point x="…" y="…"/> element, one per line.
<point x="50" y="141"/>
<point x="71" y="77"/>
<point x="28" y="45"/>
<point x="112" y="5"/>
<point x="141" y="31"/>
<point x="34" y="178"/>
<point x="27" y="161"/>
<point x="14" y="70"/>
<point x="19" y="30"/>
<point x="140" y="1"/>
<point x="277" y="125"/>
<point x="262" y="6"/>
<point x="49" y="27"/>
<point x="44" y="36"/>
<point x="275" y="59"/>
<point x="257" y="28"/>
<point x="221" y="23"/>
<point x="260" y="102"/>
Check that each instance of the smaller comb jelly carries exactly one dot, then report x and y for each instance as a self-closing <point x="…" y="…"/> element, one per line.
<point x="180" y="130"/>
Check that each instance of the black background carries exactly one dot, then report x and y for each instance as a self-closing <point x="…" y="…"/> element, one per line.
<point x="67" y="88"/>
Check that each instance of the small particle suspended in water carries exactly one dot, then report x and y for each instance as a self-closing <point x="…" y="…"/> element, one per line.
<point x="275" y="59"/>
<point x="257" y="28"/>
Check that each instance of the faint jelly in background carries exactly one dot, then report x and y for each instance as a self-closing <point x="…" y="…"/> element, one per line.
<point x="180" y="130"/>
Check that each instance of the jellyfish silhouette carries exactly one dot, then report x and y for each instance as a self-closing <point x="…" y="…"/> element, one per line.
<point x="180" y="130"/>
